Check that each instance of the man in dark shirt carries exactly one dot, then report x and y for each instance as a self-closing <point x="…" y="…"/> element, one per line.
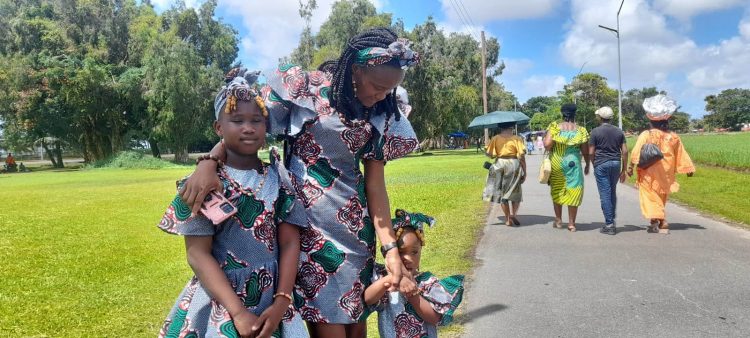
<point x="609" y="151"/>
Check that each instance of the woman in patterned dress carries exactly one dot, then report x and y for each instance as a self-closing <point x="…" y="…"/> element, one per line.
<point x="567" y="142"/>
<point x="333" y="119"/>
<point x="245" y="266"/>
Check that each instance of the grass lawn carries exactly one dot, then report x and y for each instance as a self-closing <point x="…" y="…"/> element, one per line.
<point x="81" y="255"/>
<point x="716" y="190"/>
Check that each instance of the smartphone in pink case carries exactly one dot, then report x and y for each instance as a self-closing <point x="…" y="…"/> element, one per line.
<point x="217" y="208"/>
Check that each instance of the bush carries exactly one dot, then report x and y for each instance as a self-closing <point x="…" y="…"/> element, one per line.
<point x="133" y="160"/>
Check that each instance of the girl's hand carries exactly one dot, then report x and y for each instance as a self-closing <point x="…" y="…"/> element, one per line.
<point x="199" y="184"/>
<point x="408" y="287"/>
<point x="269" y="320"/>
<point x="244" y="323"/>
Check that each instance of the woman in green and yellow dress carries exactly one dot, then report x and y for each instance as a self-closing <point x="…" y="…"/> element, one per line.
<point x="567" y="143"/>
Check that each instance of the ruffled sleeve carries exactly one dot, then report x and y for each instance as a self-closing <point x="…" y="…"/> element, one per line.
<point x="287" y="208"/>
<point x="391" y="140"/>
<point x="293" y="97"/>
<point x="581" y="135"/>
<point x="177" y="220"/>
<point x="444" y="295"/>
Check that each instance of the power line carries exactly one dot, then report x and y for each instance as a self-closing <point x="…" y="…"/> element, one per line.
<point x="461" y="2"/>
<point x="464" y="20"/>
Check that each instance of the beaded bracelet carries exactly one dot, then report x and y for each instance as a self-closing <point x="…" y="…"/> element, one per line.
<point x="285" y="295"/>
<point x="214" y="158"/>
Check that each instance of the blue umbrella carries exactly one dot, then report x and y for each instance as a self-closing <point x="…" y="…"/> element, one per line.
<point x="492" y="119"/>
<point x="458" y="134"/>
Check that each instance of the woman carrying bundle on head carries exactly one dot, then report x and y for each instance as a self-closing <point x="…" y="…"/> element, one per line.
<point x="659" y="156"/>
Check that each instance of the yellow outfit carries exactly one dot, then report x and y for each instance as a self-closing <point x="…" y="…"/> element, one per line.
<point x="656" y="182"/>
<point x="502" y="146"/>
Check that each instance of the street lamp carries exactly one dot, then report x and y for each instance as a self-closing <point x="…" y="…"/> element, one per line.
<point x="619" y="68"/>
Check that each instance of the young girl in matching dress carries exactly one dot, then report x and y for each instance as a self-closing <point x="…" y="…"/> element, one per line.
<point x="245" y="267"/>
<point x="419" y="314"/>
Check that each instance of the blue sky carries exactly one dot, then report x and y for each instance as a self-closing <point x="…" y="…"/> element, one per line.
<point x="690" y="48"/>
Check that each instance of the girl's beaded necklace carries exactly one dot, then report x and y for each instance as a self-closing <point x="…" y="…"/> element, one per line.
<point x="263" y="171"/>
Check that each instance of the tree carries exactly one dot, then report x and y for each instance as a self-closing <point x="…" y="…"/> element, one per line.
<point x="540" y="121"/>
<point x="590" y="92"/>
<point x="634" y="117"/>
<point x="729" y="109"/>
<point x="680" y="122"/>
<point x="538" y="104"/>
<point x="303" y="54"/>
<point x="180" y="89"/>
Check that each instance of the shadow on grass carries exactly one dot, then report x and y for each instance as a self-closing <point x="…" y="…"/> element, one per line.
<point x="468" y="317"/>
<point x="433" y="153"/>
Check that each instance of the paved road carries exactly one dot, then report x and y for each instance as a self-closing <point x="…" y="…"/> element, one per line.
<point x="537" y="281"/>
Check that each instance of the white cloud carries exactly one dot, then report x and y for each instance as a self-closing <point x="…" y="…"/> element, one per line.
<point x="543" y="85"/>
<point x="482" y="11"/>
<point x="653" y="52"/>
<point x="517" y="67"/>
<point x="685" y="9"/>
<point x="273" y="31"/>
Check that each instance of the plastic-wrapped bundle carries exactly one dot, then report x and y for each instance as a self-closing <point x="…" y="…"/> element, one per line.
<point x="659" y="107"/>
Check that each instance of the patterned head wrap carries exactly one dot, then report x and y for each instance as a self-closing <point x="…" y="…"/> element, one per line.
<point x="659" y="107"/>
<point x="415" y="221"/>
<point x="399" y="50"/>
<point x="240" y="85"/>
<point x="402" y="100"/>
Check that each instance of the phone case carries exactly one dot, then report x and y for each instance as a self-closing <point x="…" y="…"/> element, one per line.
<point x="217" y="208"/>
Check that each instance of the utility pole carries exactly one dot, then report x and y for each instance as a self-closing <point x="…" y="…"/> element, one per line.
<point x="619" y="64"/>
<point x="484" y="85"/>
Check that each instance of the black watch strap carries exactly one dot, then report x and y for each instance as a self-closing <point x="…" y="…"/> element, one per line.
<point x="388" y="247"/>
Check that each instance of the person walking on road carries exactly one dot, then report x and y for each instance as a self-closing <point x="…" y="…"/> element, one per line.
<point x="657" y="180"/>
<point x="567" y="142"/>
<point x="507" y="173"/>
<point x="609" y="153"/>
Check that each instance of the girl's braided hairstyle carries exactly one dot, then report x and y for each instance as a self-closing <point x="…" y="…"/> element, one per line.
<point x="342" y="92"/>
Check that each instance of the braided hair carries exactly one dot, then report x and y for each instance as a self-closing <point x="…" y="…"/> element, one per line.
<point x="342" y="92"/>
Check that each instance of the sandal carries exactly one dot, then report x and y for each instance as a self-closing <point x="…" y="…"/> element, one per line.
<point x="653" y="227"/>
<point x="572" y="228"/>
<point x="664" y="228"/>
<point x="557" y="224"/>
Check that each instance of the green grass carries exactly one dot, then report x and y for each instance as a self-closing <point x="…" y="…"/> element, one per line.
<point x="721" y="185"/>
<point x="81" y="255"/>
<point x="728" y="150"/>
<point x="717" y="191"/>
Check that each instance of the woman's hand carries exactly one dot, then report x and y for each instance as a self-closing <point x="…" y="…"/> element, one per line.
<point x="395" y="268"/>
<point x="586" y="169"/>
<point x="408" y="286"/>
<point x="244" y="322"/>
<point x="623" y="177"/>
<point x="199" y="184"/>
<point x="269" y="320"/>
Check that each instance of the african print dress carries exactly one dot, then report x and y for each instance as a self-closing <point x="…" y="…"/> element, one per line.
<point x="398" y="319"/>
<point x="246" y="248"/>
<point x="566" y="178"/>
<point x="338" y="246"/>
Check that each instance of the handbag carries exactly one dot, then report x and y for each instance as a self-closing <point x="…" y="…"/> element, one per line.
<point x="487" y="165"/>
<point x="650" y="154"/>
<point x="545" y="170"/>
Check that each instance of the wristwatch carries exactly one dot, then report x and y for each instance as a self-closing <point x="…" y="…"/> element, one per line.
<point x="388" y="247"/>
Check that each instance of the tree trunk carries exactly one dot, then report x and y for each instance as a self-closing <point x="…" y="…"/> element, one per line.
<point x="154" y="148"/>
<point x="50" y="155"/>
<point x="58" y="155"/>
<point x="181" y="154"/>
